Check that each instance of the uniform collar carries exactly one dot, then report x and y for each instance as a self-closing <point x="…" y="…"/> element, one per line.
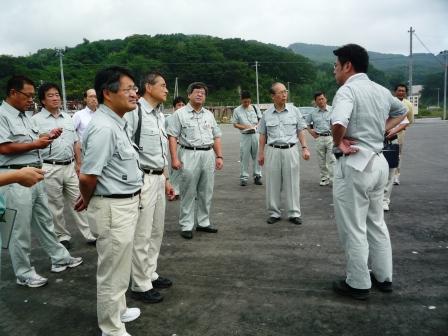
<point x="190" y="109"/>
<point x="11" y="110"/>
<point x="148" y="107"/>
<point x="111" y="114"/>
<point x="358" y="76"/>
<point x="48" y="114"/>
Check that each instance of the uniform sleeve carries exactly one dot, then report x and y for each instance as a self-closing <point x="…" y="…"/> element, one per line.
<point x="4" y="131"/>
<point x="76" y="120"/>
<point x="342" y="106"/>
<point x="262" y="125"/>
<point x="174" y="126"/>
<point x="216" y="131"/>
<point x="98" y="148"/>
<point x="301" y="124"/>
<point x="397" y="108"/>
<point x="235" y="118"/>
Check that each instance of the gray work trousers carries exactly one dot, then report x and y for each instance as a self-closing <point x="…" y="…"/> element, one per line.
<point x="197" y="179"/>
<point x="282" y="177"/>
<point x="249" y="152"/>
<point x="358" y="205"/>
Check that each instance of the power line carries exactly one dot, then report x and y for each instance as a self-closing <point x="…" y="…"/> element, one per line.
<point x="418" y="38"/>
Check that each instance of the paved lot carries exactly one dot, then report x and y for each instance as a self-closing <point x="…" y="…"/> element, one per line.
<point x="257" y="279"/>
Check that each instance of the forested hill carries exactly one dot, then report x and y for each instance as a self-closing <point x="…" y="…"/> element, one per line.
<point x="224" y="64"/>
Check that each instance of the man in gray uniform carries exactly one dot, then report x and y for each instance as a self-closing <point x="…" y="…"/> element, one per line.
<point x="362" y="112"/>
<point x="110" y="184"/>
<point x="146" y="126"/>
<point x="321" y="131"/>
<point x="246" y="117"/>
<point x="282" y="127"/>
<point x="60" y="158"/>
<point x="19" y="147"/>
<point x="198" y="133"/>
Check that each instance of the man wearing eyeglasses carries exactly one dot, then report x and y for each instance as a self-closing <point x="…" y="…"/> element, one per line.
<point x="282" y="128"/>
<point x="146" y="126"/>
<point x="200" y="154"/>
<point x="110" y="183"/>
<point x="20" y="147"/>
<point x="62" y="160"/>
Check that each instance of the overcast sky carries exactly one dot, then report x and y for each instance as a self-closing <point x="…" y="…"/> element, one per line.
<point x="378" y="25"/>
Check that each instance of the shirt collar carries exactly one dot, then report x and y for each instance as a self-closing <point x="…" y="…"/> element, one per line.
<point x="47" y="113"/>
<point x="325" y="109"/>
<point x="111" y="114"/>
<point x="11" y="110"/>
<point x="148" y="107"/>
<point x="358" y="76"/>
<point x="190" y="109"/>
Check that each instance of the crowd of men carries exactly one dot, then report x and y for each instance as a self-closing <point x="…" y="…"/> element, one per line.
<point x="113" y="161"/>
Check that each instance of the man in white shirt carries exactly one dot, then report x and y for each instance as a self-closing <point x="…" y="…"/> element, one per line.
<point x="82" y="118"/>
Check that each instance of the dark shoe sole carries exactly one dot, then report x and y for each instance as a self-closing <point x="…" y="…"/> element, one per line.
<point x="385" y="287"/>
<point x="341" y="288"/>
<point x="206" y="229"/>
<point x="272" y="220"/>
<point x="295" y="221"/>
<point x="137" y="297"/>
<point x="188" y="235"/>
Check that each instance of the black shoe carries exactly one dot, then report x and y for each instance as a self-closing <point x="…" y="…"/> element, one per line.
<point x="342" y="288"/>
<point x="151" y="296"/>
<point x="295" y="220"/>
<point x="272" y="220"/>
<point x="208" y="229"/>
<point x="161" y="283"/>
<point x="243" y="183"/>
<point x="91" y="242"/>
<point x="186" y="234"/>
<point x="385" y="286"/>
<point x="66" y="244"/>
<point x="257" y="180"/>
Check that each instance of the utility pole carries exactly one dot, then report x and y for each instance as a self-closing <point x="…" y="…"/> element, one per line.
<point x="176" y="89"/>
<point x="64" y="100"/>
<point x="256" y="83"/>
<point x="289" y="93"/>
<point x="410" y="31"/>
<point x="438" y="97"/>
<point x="445" y="53"/>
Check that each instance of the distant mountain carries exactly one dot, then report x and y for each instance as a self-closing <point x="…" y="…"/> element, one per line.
<point x="423" y="63"/>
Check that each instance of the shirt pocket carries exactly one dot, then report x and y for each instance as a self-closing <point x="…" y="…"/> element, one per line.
<point x="289" y="126"/>
<point x="129" y="169"/>
<point x="273" y="128"/>
<point x="20" y="134"/>
<point x="191" y="132"/>
<point x="150" y="137"/>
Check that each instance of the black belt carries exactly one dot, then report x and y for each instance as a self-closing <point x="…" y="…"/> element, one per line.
<point x="340" y="154"/>
<point x="196" y="148"/>
<point x="59" y="163"/>
<point x="153" y="171"/>
<point x="20" y="166"/>
<point x="283" y="146"/>
<point x="324" y="134"/>
<point x="122" y="195"/>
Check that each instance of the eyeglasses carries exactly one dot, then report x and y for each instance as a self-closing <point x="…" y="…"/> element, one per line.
<point x="128" y="90"/>
<point x="282" y="92"/>
<point x="28" y="95"/>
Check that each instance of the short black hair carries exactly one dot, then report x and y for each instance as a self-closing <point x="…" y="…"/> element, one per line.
<point x="245" y="95"/>
<point x="150" y="78"/>
<point x="197" y="85"/>
<point x="355" y="54"/>
<point x="178" y="100"/>
<point x="44" y="88"/>
<point x="318" y="93"/>
<point x="17" y="82"/>
<point x="401" y="85"/>
<point x="109" y="79"/>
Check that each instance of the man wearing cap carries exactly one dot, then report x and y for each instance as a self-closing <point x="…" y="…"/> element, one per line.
<point x="320" y="120"/>
<point x="61" y="161"/>
<point x="20" y="147"/>
<point x="282" y="128"/>
<point x="245" y="118"/>
<point x="110" y="184"/>
<point x="200" y="154"/>
<point x="146" y="127"/>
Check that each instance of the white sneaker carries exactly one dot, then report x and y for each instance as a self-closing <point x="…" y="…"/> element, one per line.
<point x="73" y="262"/>
<point x="125" y="334"/>
<point x="324" y="182"/>
<point x="385" y="206"/>
<point x="396" y="180"/>
<point x="33" y="281"/>
<point x="130" y="315"/>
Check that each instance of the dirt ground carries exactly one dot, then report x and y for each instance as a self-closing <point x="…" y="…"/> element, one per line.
<point x="252" y="278"/>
